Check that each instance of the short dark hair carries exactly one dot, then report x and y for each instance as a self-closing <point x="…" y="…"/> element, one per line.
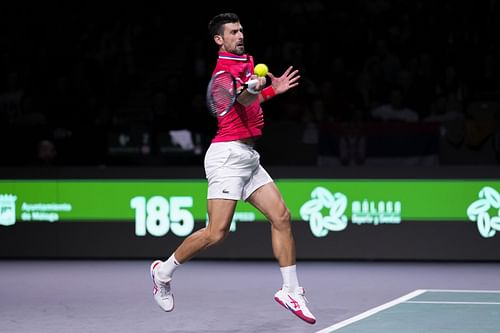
<point x="215" y="26"/>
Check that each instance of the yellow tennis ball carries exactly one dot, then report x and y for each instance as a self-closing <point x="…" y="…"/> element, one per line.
<point x="260" y="70"/>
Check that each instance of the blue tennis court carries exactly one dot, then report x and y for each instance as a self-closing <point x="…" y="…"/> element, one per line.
<point x="94" y="296"/>
<point x="458" y="311"/>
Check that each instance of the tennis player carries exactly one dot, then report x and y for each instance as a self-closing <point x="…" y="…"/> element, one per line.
<point x="234" y="173"/>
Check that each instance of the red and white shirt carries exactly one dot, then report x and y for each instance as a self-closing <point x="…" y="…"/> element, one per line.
<point x="241" y="122"/>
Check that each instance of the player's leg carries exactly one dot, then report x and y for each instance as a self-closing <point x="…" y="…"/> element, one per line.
<point x="269" y="201"/>
<point x="224" y="190"/>
<point x="220" y="213"/>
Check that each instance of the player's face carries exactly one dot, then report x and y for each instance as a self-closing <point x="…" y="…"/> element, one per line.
<point x="232" y="40"/>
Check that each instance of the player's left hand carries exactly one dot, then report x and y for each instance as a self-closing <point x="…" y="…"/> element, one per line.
<point x="288" y="80"/>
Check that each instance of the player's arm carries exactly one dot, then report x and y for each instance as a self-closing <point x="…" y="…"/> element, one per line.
<point x="249" y="94"/>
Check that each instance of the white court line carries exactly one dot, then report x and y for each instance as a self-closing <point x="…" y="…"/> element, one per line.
<point x="462" y="291"/>
<point x="406" y="299"/>
<point x="373" y="311"/>
<point x="444" y="302"/>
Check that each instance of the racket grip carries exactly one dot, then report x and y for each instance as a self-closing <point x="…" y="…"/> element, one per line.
<point x="251" y="85"/>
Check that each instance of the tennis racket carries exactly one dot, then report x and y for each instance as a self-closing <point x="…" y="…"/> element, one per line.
<point x="222" y="92"/>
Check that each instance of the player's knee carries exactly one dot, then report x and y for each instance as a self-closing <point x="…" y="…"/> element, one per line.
<point x="285" y="216"/>
<point x="282" y="220"/>
<point x="216" y="236"/>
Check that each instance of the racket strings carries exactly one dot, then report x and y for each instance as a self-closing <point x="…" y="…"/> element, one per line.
<point x="221" y="94"/>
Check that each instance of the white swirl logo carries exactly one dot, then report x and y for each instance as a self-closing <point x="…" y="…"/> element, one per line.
<point x="321" y="199"/>
<point x="478" y="211"/>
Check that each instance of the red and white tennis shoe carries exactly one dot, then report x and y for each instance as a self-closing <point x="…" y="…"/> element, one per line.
<point x="295" y="301"/>
<point x="162" y="292"/>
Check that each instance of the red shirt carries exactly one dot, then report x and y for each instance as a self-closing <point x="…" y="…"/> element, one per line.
<point x="241" y="122"/>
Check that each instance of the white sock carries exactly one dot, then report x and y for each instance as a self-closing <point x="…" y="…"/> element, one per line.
<point x="167" y="268"/>
<point x="290" y="279"/>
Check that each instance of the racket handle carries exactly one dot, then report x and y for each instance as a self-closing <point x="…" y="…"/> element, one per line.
<point x="251" y="85"/>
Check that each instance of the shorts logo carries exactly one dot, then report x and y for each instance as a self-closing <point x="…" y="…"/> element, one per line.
<point x="225" y="191"/>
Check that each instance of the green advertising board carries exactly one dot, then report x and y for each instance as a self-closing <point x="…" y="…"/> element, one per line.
<point x="158" y="207"/>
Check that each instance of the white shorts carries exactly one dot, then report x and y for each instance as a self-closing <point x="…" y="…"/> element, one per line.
<point x="233" y="170"/>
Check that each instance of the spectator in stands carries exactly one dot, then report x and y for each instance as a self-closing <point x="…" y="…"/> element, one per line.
<point x="448" y="112"/>
<point x="352" y="140"/>
<point x="395" y="109"/>
<point x="46" y="153"/>
<point x="11" y="98"/>
<point x="427" y="49"/>
<point x="445" y="108"/>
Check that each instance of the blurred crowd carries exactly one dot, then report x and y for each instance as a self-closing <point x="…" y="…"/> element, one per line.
<point x="79" y="81"/>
